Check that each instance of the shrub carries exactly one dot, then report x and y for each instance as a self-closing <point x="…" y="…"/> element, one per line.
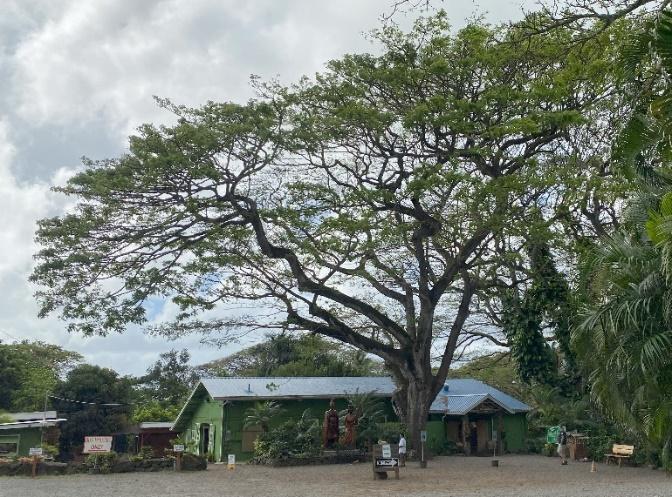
<point x="389" y="432"/>
<point x="299" y="438"/>
<point x="100" y="462"/>
<point x="143" y="454"/>
<point x="550" y="449"/>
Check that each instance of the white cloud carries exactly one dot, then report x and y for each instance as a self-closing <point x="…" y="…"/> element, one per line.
<point x="78" y="77"/>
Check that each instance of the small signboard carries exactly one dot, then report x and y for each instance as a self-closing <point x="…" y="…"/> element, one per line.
<point x="552" y="434"/>
<point x="97" y="445"/>
<point x="423" y="436"/>
<point x="35" y="451"/>
<point x="386" y="451"/>
<point x="390" y="462"/>
<point x="178" y="448"/>
<point x="232" y="461"/>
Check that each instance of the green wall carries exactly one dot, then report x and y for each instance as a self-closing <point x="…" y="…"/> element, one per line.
<point x="26" y="437"/>
<point x="515" y="429"/>
<point x="226" y="424"/>
<point x="209" y="412"/>
<point x="228" y="420"/>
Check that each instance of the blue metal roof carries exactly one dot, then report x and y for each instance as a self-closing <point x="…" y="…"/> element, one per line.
<point x="462" y="396"/>
<point x="241" y="388"/>
<point x="465" y="394"/>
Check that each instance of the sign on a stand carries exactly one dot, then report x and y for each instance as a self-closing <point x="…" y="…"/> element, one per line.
<point x="232" y="461"/>
<point x="178" y="448"/>
<point x="423" y="436"/>
<point x="35" y="451"/>
<point x="552" y="434"/>
<point x="385" y="458"/>
<point x="97" y="445"/>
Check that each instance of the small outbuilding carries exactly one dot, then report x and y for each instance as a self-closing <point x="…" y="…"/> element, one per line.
<point x="156" y="435"/>
<point x="28" y="429"/>
<point x="468" y="413"/>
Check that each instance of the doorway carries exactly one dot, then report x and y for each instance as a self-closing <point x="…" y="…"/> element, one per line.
<point x="205" y="439"/>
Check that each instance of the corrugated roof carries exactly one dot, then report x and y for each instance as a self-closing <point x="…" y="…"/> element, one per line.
<point x="31" y="424"/>
<point x="465" y="394"/>
<point x="153" y="425"/>
<point x="462" y="396"/>
<point x="295" y="387"/>
<point x="31" y="416"/>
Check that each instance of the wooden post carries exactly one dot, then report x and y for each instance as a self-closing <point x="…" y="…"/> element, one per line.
<point x="500" y="429"/>
<point x="34" y="469"/>
<point x="178" y="461"/>
<point x="465" y="431"/>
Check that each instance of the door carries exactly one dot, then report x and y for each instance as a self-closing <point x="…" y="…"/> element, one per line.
<point x="204" y="439"/>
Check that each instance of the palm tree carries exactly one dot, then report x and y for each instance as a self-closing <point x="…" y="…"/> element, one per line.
<point x="261" y="414"/>
<point x="625" y="339"/>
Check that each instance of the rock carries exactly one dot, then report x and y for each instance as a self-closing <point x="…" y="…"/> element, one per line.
<point x="191" y="462"/>
<point x="123" y="467"/>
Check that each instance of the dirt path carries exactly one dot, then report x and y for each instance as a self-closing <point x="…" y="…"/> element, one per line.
<point x="521" y="476"/>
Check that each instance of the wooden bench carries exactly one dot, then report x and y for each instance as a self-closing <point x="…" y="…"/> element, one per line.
<point x="620" y="452"/>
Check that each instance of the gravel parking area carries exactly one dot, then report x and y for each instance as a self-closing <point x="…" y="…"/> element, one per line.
<point x="446" y="476"/>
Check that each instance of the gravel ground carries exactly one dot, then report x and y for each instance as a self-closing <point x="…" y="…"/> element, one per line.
<point x="519" y="476"/>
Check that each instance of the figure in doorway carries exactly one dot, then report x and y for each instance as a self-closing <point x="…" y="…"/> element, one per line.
<point x="330" y="426"/>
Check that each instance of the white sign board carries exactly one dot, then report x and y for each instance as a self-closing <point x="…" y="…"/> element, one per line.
<point x="423" y="436"/>
<point x="35" y="451"/>
<point x="97" y="445"/>
<point x="387" y="451"/>
<point x="232" y="459"/>
<point x="389" y="462"/>
<point x="178" y="448"/>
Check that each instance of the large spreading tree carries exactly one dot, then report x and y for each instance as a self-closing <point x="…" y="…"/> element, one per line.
<point x="360" y="205"/>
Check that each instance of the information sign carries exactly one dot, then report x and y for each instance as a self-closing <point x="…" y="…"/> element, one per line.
<point x="97" y="445"/>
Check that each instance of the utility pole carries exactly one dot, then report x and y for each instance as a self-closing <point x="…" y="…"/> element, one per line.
<point x="44" y="418"/>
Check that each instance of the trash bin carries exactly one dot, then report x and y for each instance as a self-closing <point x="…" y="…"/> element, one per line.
<point x="578" y="447"/>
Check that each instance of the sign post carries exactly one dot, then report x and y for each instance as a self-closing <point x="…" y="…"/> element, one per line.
<point x="385" y="458"/>
<point x="178" y="450"/>
<point x="423" y="439"/>
<point x="232" y="462"/>
<point x="36" y="453"/>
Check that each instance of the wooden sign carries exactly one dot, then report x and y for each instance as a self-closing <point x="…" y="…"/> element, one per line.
<point x="97" y="445"/>
<point x="385" y="458"/>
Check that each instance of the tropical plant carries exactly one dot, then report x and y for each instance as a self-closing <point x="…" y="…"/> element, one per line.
<point x="262" y="414"/>
<point x="626" y="337"/>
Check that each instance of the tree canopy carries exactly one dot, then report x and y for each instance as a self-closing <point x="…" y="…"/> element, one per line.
<point x="359" y="205"/>
<point x="29" y="371"/>
<point x="288" y="355"/>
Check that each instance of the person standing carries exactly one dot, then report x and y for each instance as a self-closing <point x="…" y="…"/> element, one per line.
<point x="562" y="445"/>
<point x="402" y="450"/>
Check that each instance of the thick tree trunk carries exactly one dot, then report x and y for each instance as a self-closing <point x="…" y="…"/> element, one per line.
<point x="414" y="401"/>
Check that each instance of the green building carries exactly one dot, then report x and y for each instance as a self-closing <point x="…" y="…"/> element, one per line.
<point x="469" y="413"/>
<point x="27" y="430"/>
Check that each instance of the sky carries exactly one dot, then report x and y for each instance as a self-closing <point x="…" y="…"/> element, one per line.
<point x="78" y="77"/>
